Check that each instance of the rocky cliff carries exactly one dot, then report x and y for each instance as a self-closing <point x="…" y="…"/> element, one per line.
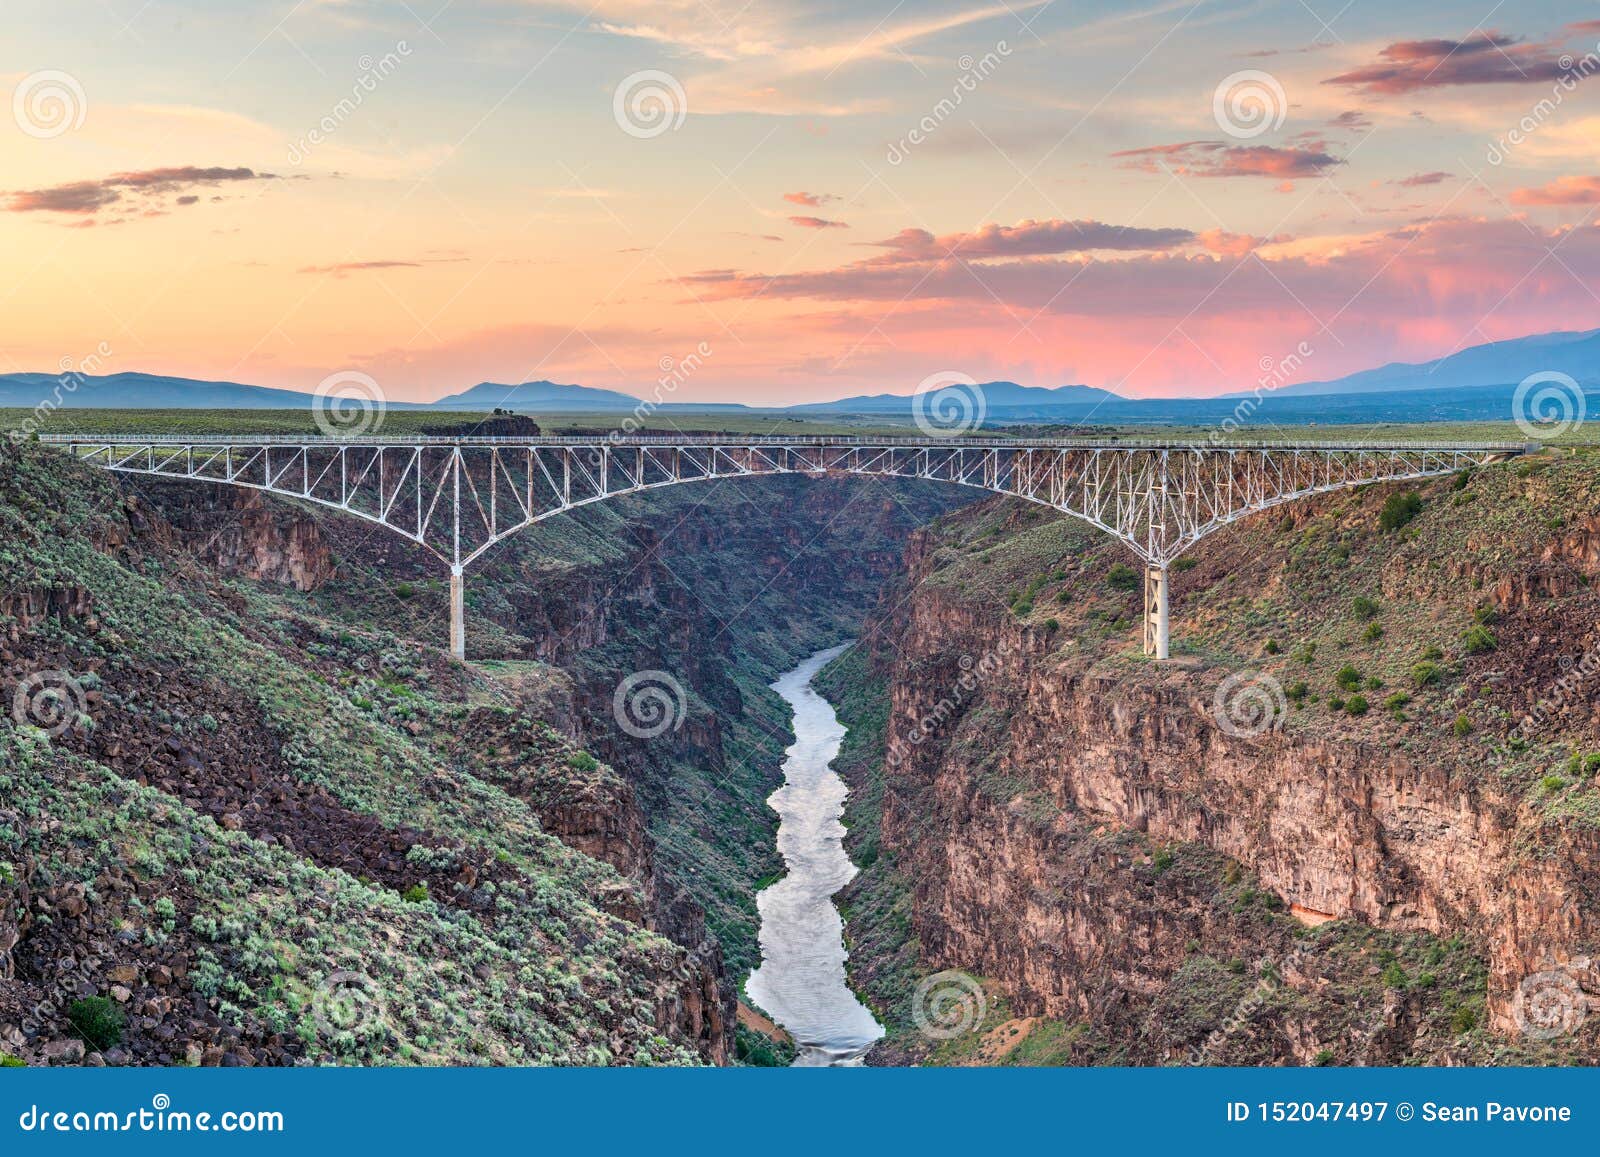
<point x="1326" y="788"/>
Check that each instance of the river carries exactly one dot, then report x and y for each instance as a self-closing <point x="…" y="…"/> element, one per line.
<point x="801" y="980"/>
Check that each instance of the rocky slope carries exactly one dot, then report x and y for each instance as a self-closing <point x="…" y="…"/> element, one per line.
<point x="715" y="592"/>
<point x="1354" y="821"/>
<point x="234" y="834"/>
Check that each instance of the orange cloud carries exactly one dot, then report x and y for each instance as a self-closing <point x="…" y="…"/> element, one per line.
<point x="1572" y="190"/>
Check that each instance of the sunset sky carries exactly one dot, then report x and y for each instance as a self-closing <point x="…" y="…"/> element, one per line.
<point x="180" y="182"/>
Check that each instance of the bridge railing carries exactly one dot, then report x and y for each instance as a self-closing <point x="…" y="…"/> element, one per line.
<point x="668" y="440"/>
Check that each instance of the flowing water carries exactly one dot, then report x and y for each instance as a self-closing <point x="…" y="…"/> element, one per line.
<point x="801" y="980"/>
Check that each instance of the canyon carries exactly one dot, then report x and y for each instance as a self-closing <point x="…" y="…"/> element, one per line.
<point x="1112" y="867"/>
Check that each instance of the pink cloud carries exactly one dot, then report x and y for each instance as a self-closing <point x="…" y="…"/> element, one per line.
<point x="1218" y="159"/>
<point x="817" y="223"/>
<point x="1484" y="57"/>
<point x="810" y="200"/>
<point x="1026" y="239"/>
<point x="1572" y="190"/>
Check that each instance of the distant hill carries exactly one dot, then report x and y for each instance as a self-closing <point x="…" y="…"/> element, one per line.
<point x="544" y="397"/>
<point x="999" y="398"/>
<point x="1474" y="384"/>
<point x="133" y="391"/>
<point x="1499" y="363"/>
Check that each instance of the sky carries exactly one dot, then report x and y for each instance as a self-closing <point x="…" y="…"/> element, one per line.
<point x="745" y="200"/>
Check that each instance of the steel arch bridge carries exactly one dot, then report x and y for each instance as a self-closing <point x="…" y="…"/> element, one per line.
<point x="458" y="497"/>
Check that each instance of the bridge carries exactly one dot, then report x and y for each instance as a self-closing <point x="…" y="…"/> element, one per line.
<point x="458" y="497"/>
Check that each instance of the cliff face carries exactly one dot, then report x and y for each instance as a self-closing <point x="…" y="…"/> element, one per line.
<point x="253" y="837"/>
<point x="1021" y="749"/>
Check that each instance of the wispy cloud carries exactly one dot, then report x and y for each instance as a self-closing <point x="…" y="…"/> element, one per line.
<point x="93" y="196"/>
<point x="817" y="223"/>
<point x="1219" y="159"/>
<point x="1484" y="57"/>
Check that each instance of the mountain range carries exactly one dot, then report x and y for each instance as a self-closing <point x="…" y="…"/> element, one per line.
<point x="1472" y="384"/>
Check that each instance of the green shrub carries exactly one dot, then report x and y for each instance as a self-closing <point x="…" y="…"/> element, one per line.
<point x="98" y="1021"/>
<point x="1323" y="1059"/>
<point x="1394" y="975"/>
<point x="7" y="1061"/>
<point x="1272" y="647"/>
<point x="1185" y="563"/>
<point x="1399" y="510"/>
<point x="1052" y="624"/>
<point x="1430" y="653"/>
<point x="1347" y="678"/>
<point x="1552" y="783"/>
<point x="1424" y="674"/>
<point x="1396" y="701"/>
<point x="1023" y="609"/>
<point x="1462" y="726"/>
<point x="1121" y="577"/>
<point x="1463" y="1019"/>
<point x="1373" y="633"/>
<point x="1374" y="683"/>
<point x="1478" y="639"/>
<point x="1306" y="653"/>
<point x="404" y="590"/>
<point x="416" y="894"/>
<point x="1591" y="763"/>
<point x="1296" y="691"/>
<point x="1356" y="705"/>
<point x="1485" y="614"/>
<point x="582" y="761"/>
<point x="1364" y="607"/>
<point x="1336" y="702"/>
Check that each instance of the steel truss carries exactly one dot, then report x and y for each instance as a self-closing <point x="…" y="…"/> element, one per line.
<point x="457" y="498"/>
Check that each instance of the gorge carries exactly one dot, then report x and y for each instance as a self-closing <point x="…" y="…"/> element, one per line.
<point x="1123" y="872"/>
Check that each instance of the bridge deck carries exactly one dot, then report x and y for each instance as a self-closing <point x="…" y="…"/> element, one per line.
<point x="734" y="440"/>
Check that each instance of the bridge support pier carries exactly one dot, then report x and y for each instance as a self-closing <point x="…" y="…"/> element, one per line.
<point x="1157" y="626"/>
<point x="458" y="613"/>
